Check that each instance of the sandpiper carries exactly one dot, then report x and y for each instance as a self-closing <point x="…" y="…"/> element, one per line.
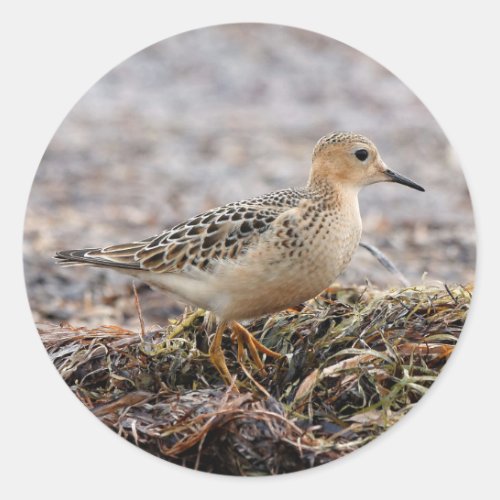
<point x="261" y="255"/>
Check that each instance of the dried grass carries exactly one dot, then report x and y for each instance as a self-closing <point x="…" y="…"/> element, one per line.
<point x="354" y="362"/>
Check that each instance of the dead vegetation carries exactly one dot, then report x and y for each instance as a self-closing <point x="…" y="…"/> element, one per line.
<point x="354" y="362"/>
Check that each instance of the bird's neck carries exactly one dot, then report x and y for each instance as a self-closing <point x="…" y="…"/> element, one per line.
<point x="327" y="177"/>
<point x="333" y="195"/>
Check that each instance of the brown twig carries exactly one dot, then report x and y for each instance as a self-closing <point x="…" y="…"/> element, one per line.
<point x="139" y="312"/>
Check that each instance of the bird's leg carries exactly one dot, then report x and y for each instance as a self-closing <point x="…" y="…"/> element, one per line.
<point x="253" y="345"/>
<point x="217" y="356"/>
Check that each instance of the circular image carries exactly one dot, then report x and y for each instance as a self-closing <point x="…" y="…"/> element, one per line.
<point x="249" y="249"/>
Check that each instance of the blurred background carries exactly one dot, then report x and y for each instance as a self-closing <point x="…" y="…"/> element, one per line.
<point x="220" y="114"/>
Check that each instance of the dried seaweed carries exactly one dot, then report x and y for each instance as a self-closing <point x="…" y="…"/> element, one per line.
<point x="354" y="362"/>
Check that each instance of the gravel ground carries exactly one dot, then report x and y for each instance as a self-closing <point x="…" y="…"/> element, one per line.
<point x="223" y="113"/>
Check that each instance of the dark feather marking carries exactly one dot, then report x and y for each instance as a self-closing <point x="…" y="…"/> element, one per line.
<point x="175" y="250"/>
<point x="194" y="230"/>
<point x="213" y="228"/>
<point x="245" y="227"/>
<point x="153" y="261"/>
<point x="210" y="240"/>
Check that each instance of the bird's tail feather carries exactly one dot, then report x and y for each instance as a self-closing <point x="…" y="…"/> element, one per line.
<point x="117" y="256"/>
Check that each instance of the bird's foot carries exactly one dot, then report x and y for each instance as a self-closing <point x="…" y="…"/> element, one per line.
<point x="253" y="346"/>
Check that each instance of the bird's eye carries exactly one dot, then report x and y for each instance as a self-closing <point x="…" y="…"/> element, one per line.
<point x="361" y="154"/>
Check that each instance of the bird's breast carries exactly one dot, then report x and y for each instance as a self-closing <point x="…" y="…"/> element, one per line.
<point x="332" y="247"/>
<point x="293" y="264"/>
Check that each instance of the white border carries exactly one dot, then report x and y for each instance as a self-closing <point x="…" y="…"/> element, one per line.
<point x="53" y="51"/>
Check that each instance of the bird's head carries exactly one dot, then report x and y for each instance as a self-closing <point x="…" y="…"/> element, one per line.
<point x="344" y="159"/>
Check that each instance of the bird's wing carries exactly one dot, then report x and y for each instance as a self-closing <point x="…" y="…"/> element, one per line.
<point x="221" y="233"/>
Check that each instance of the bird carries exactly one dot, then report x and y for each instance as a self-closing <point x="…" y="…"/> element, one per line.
<point x="261" y="255"/>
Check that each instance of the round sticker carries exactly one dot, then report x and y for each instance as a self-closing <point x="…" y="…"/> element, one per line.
<point x="249" y="249"/>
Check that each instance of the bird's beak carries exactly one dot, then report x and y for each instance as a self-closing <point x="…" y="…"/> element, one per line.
<point x="401" y="179"/>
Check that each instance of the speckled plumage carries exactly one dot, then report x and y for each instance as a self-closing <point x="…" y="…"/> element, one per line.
<point x="227" y="253"/>
<point x="264" y="254"/>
